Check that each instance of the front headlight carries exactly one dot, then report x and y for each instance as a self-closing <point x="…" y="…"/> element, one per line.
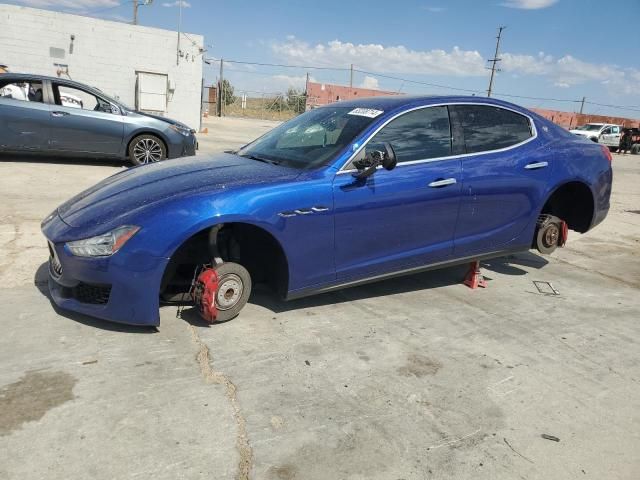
<point x="182" y="130"/>
<point x="103" y="245"/>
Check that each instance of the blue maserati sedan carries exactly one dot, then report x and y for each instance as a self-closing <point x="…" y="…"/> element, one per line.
<point x="56" y="116"/>
<point x="348" y="193"/>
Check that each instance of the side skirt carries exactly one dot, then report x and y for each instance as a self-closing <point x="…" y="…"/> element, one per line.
<point x="409" y="271"/>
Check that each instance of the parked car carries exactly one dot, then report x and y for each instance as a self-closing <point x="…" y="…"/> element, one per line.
<point x="54" y="116"/>
<point x="604" y="133"/>
<point x="344" y="194"/>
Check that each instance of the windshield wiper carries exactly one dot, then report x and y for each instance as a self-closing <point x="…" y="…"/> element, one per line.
<point x="260" y="159"/>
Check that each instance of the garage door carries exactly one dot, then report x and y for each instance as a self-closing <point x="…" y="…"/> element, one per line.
<point x="151" y="94"/>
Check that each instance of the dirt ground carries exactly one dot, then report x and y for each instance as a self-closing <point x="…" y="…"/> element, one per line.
<point x="412" y="378"/>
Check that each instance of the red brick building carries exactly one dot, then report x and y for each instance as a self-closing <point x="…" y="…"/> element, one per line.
<point x="324" y="93"/>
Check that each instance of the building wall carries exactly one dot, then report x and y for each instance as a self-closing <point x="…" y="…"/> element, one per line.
<point x="571" y="120"/>
<point x="103" y="54"/>
<point x="324" y="93"/>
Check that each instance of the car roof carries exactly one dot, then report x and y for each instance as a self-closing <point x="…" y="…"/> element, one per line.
<point x="393" y="102"/>
<point x="29" y="76"/>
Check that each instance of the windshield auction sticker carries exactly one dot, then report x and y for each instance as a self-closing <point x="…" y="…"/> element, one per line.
<point x="366" y="112"/>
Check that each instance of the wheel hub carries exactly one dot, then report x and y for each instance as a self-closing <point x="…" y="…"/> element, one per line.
<point x="229" y="291"/>
<point x="551" y="235"/>
<point x="147" y="151"/>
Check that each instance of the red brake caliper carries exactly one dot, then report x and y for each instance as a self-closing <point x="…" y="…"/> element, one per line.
<point x="564" y="233"/>
<point x="204" y="294"/>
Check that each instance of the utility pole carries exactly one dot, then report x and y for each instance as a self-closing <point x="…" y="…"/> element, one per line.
<point x="494" y="61"/>
<point x="221" y="88"/>
<point x="582" y="105"/>
<point x="136" y="4"/>
<point x="178" y="52"/>
<point x="351" y="82"/>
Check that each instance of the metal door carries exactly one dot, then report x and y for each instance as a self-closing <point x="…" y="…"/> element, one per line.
<point x="151" y="92"/>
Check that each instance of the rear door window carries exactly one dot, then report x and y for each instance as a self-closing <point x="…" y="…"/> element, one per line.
<point x="27" y="91"/>
<point x="489" y="128"/>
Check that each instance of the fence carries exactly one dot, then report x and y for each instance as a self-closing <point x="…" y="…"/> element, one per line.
<point x="251" y="90"/>
<point x="270" y="106"/>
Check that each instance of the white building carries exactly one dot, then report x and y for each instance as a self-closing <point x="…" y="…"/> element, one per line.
<point x="140" y="66"/>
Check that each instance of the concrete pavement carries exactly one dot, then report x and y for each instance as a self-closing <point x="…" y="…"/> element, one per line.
<point x="412" y="378"/>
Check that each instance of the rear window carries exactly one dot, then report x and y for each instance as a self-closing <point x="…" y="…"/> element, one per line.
<point x="491" y="128"/>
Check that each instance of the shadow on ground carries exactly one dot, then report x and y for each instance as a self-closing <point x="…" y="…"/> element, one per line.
<point x="40" y="281"/>
<point x="53" y="159"/>
<point x="508" y="265"/>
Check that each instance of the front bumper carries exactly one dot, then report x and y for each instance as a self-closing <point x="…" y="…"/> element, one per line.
<point x="185" y="147"/>
<point x="123" y="288"/>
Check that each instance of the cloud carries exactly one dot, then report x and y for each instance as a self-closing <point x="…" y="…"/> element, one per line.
<point x="563" y="72"/>
<point x="370" y="82"/>
<point x="282" y="82"/>
<point x="568" y="71"/>
<point x="177" y="3"/>
<point x="72" y="4"/>
<point x="528" y="4"/>
<point x="434" y="9"/>
<point x="376" y="57"/>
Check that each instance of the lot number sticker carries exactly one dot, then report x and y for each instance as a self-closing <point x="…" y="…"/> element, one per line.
<point x="366" y="112"/>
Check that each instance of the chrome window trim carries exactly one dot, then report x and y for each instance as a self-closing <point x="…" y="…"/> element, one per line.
<point x="532" y="125"/>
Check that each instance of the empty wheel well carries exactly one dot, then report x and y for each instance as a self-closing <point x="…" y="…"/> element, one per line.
<point x="252" y="247"/>
<point x="573" y="203"/>
<point x="166" y="147"/>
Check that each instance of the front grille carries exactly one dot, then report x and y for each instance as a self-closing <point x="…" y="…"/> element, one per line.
<point x="54" y="264"/>
<point x="93" y="294"/>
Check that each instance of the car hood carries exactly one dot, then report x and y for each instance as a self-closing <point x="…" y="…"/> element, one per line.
<point x="140" y="187"/>
<point x="170" y="121"/>
<point x="584" y="133"/>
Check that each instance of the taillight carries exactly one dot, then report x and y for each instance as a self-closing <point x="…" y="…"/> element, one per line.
<point x="607" y="153"/>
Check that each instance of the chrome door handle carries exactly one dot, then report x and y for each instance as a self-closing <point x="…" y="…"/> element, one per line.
<point x="287" y="214"/>
<point x="442" y="183"/>
<point x="319" y="209"/>
<point x="303" y="211"/>
<point x="60" y="114"/>
<point x="534" y="166"/>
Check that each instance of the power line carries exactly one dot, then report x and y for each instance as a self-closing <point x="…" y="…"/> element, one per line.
<point x="631" y="108"/>
<point x="282" y="65"/>
<point x="498" y="94"/>
<point x="406" y="80"/>
<point x="418" y="82"/>
<point x="100" y="10"/>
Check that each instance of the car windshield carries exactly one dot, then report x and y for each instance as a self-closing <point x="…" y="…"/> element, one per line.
<point x="311" y="139"/>
<point x="591" y="127"/>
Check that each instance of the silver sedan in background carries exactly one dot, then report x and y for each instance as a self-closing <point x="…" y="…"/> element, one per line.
<point x="54" y="116"/>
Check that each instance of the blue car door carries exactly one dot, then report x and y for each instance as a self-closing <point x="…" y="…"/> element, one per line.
<point x="505" y="173"/>
<point x="24" y="116"/>
<point x="405" y="217"/>
<point x="81" y="122"/>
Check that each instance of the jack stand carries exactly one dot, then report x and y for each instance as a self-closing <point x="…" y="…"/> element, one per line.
<point x="474" y="278"/>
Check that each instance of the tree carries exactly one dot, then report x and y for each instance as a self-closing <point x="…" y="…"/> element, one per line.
<point x="296" y="100"/>
<point x="227" y="92"/>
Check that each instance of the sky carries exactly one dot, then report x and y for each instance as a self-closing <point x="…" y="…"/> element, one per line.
<point x="553" y="51"/>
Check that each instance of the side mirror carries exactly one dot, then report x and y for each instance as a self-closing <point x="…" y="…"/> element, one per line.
<point x="108" y="108"/>
<point x="368" y="165"/>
